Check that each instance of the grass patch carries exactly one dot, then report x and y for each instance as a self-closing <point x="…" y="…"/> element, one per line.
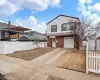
<point x="30" y="54"/>
<point x="76" y="60"/>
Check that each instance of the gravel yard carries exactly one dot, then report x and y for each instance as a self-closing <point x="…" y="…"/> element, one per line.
<point x="30" y="54"/>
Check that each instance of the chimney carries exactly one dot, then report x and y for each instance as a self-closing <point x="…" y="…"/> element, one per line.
<point x="9" y="24"/>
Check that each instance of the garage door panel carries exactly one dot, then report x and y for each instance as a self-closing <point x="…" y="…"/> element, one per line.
<point x="68" y="42"/>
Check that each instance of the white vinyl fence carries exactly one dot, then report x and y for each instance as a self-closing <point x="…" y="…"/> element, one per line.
<point x="10" y="47"/>
<point x="92" y="61"/>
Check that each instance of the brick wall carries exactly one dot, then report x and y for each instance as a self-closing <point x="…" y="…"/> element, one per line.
<point x="49" y="42"/>
<point x="60" y="42"/>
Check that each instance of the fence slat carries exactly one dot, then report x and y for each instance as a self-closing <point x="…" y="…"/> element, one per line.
<point x="93" y="61"/>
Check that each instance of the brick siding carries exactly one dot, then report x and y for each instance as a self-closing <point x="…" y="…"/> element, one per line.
<point x="60" y="41"/>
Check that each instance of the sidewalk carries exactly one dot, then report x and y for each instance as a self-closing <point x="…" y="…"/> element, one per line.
<point x="40" y="69"/>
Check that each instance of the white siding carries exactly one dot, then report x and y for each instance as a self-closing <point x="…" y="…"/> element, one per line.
<point x="98" y="45"/>
<point x="59" y="21"/>
<point x="98" y="31"/>
<point x="98" y="34"/>
<point x="91" y="44"/>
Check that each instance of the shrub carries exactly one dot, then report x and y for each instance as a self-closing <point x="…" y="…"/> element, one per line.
<point x="2" y="77"/>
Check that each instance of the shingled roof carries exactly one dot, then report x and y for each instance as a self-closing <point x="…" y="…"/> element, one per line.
<point x="61" y="15"/>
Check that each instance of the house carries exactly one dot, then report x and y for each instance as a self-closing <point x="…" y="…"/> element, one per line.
<point x="97" y="37"/>
<point x="33" y="36"/>
<point x="10" y="32"/>
<point x="94" y="39"/>
<point x="59" y="32"/>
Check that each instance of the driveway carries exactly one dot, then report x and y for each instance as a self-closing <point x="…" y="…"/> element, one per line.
<point x="41" y="68"/>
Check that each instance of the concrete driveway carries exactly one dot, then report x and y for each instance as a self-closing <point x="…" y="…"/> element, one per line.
<point x="41" y="68"/>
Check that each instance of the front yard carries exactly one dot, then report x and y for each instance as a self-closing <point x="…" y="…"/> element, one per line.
<point x="71" y="59"/>
<point x="76" y="60"/>
<point x="30" y="54"/>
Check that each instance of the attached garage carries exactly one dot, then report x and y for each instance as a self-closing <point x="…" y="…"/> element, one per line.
<point x="68" y="42"/>
<point x="61" y="42"/>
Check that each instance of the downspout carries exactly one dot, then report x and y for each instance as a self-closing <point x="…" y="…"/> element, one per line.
<point x="95" y="44"/>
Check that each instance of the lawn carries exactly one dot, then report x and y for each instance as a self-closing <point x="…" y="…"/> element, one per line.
<point x="76" y="60"/>
<point x="30" y="54"/>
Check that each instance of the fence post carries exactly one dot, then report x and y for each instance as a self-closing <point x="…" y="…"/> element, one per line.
<point x="87" y="50"/>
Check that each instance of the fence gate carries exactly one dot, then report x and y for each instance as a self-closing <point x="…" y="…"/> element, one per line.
<point x="92" y="61"/>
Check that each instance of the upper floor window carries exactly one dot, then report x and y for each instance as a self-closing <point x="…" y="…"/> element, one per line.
<point x="54" y="28"/>
<point x="65" y="26"/>
<point x="68" y="26"/>
<point x="73" y="25"/>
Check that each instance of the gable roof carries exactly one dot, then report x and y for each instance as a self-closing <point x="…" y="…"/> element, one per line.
<point x="32" y="32"/>
<point x="31" y="38"/>
<point x="62" y="15"/>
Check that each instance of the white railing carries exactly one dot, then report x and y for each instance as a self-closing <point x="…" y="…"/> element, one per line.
<point x="92" y="61"/>
<point x="10" y="47"/>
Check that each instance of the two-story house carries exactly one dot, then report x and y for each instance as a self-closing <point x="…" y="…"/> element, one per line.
<point x="59" y="32"/>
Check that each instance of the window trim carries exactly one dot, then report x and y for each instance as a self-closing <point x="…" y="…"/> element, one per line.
<point x="66" y="27"/>
<point x="51" y="28"/>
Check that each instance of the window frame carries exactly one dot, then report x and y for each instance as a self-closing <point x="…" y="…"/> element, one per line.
<point x="73" y="24"/>
<point x="52" y="28"/>
<point x="66" y="27"/>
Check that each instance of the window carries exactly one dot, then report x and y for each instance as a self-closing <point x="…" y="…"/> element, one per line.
<point x="65" y="26"/>
<point x="73" y="26"/>
<point x="54" y="28"/>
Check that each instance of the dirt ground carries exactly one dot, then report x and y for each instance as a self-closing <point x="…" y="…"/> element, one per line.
<point x="30" y="54"/>
<point x="54" y="78"/>
<point x="75" y="61"/>
<point x="72" y="59"/>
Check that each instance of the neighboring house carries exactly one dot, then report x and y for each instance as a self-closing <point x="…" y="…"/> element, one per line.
<point x="92" y="42"/>
<point x="33" y="36"/>
<point x="94" y="39"/>
<point x="59" y="32"/>
<point x="97" y="37"/>
<point x="10" y="32"/>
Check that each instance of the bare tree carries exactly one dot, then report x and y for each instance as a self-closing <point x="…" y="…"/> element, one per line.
<point x="82" y="29"/>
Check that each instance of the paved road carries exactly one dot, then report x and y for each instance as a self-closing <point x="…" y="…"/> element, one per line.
<point x="40" y="68"/>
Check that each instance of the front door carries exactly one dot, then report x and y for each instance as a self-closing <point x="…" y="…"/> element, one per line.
<point x="53" y="42"/>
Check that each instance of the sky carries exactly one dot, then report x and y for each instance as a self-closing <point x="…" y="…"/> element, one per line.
<point x="35" y="14"/>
